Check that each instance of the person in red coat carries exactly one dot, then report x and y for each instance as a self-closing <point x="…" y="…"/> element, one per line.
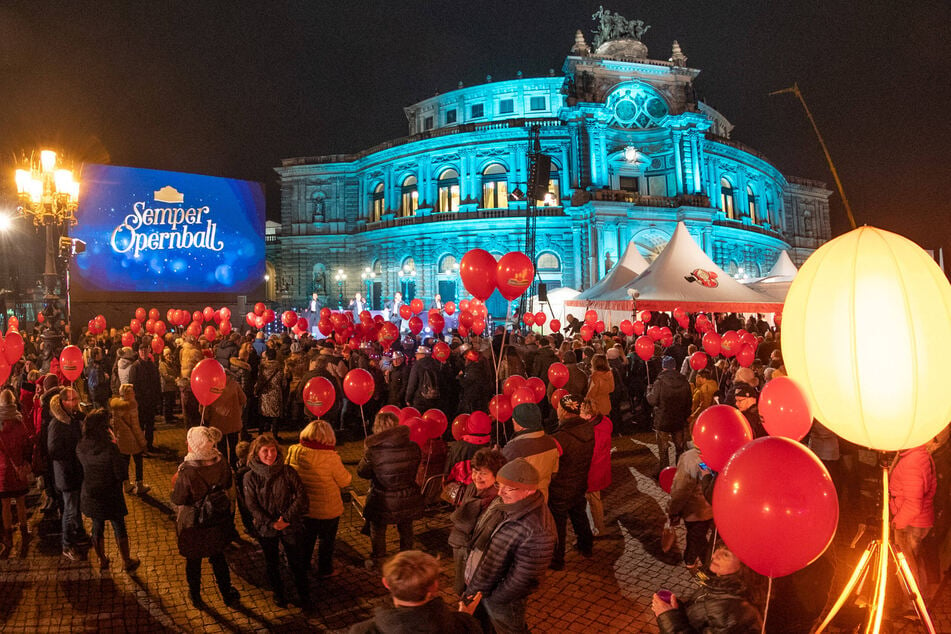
<point x="911" y="489"/>
<point x="599" y="476"/>
<point x="15" y="452"/>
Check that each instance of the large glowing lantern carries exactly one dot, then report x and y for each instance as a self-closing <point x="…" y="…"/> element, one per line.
<point x="867" y="334"/>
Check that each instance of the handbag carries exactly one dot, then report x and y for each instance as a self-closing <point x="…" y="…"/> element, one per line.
<point x="452" y="493"/>
<point x="668" y="537"/>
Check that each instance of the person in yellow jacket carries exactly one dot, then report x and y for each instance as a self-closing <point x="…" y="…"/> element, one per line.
<point x="321" y="470"/>
<point x="129" y="436"/>
<point x="703" y="395"/>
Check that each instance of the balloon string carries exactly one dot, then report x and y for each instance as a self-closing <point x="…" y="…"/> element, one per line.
<point x="202" y="423"/>
<point x="364" y="419"/>
<point x="769" y="592"/>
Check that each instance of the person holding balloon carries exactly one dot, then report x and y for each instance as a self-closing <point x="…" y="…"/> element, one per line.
<point x="190" y="357"/>
<point x="687" y="502"/>
<point x="745" y="396"/>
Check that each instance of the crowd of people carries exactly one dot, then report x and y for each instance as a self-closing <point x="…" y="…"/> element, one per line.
<point x="509" y="488"/>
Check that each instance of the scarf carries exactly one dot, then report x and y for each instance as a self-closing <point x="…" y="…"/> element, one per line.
<point x="313" y="444"/>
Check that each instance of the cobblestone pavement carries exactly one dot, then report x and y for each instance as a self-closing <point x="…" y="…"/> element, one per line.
<point x="609" y="592"/>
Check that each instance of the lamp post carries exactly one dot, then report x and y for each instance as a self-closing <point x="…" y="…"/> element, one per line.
<point x="48" y="193"/>
<point x="341" y="278"/>
<point x="409" y="275"/>
<point x="368" y="276"/>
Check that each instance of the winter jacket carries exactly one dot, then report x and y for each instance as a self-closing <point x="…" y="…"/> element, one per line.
<point x="540" y="450"/>
<point x="702" y="399"/>
<point x="104" y="469"/>
<point x="323" y="475"/>
<point x="543" y="360"/>
<point x="433" y="617"/>
<point x="686" y="494"/>
<point x="396" y="379"/>
<point x="476" y="383"/>
<point x="269" y="389"/>
<point x="225" y="412"/>
<point x="242" y="374"/>
<point x="295" y="366"/>
<point x="125" y="424"/>
<point x="575" y="436"/>
<point x="517" y="553"/>
<point x="472" y="502"/>
<point x="224" y="351"/>
<point x="911" y="489"/>
<point x="671" y="398"/>
<point x="599" y="390"/>
<point x="390" y="463"/>
<point x="168" y="372"/>
<point x="578" y="381"/>
<point x="65" y="432"/>
<point x="599" y="476"/>
<point x="148" y="385"/>
<point x="190" y="357"/>
<point x="16" y="449"/>
<point x="123" y="373"/>
<point x="415" y="383"/>
<point x="97" y="382"/>
<point x="192" y="481"/>
<point x="720" y="606"/>
<point x="432" y="460"/>
<point x="459" y="457"/>
<point x="272" y="492"/>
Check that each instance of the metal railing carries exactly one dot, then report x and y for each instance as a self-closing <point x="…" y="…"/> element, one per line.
<point x="448" y="216"/>
<point x="670" y="202"/>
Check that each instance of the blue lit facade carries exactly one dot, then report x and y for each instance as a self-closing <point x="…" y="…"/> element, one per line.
<point x="633" y="150"/>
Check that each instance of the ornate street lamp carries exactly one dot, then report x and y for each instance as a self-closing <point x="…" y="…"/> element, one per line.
<point x="341" y="278"/>
<point x="369" y="276"/>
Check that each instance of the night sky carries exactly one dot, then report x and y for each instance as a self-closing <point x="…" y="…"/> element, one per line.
<point x="230" y="88"/>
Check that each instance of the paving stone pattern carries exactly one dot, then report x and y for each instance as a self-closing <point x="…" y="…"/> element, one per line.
<point x="609" y="592"/>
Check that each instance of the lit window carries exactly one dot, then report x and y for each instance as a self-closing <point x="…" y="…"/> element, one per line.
<point x="448" y="265"/>
<point x="751" y="200"/>
<point x="428" y="123"/>
<point x="553" y="197"/>
<point x="549" y="263"/>
<point x="409" y="197"/>
<point x="495" y="189"/>
<point x="537" y="103"/>
<point x="450" y="116"/>
<point x="448" y="191"/>
<point x="377" y="203"/>
<point x="478" y="110"/>
<point x="507" y="106"/>
<point x="726" y="199"/>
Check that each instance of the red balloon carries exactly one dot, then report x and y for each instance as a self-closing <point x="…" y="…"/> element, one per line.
<point x="478" y="326"/>
<point x="698" y="361"/>
<point x="149" y="325"/>
<point x="729" y="343"/>
<point x="302" y="324"/>
<point x="556" y="397"/>
<point x="178" y="317"/>
<point x="479" y="423"/>
<point x="405" y="311"/>
<point x="514" y="274"/>
<point x="208" y="313"/>
<point x="463" y="331"/>
<point x="158" y="344"/>
<point x="408" y="413"/>
<point x="415" y="325"/>
<point x="259" y="308"/>
<point x="666" y="478"/>
<point x="358" y="385"/>
<point x="71" y="362"/>
<point x="785" y="409"/>
<point x="646" y="316"/>
<point x="540" y="318"/>
<point x="392" y="409"/>
<point x="711" y="343"/>
<point x="464" y="305"/>
<point x="441" y="351"/>
<point x="627" y="327"/>
<point x="416" y="306"/>
<point x="436" y="421"/>
<point x="459" y="426"/>
<point x="12" y="347"/>
<point x="319" y="396"/>
<point x="225" y="313"/>
<point x="680" y="314"/>
<point x="268" y="316"/>
<point x="775" y="491"/>
<point x="558" y="374"/>
<point x="225" y="328"/>
<point x="639" y="328"/>
<point x="199" y="317"/>
<point x="523" y="394"/>
<point x="599" y="326"/>
<point x="135" y="326"/>
<point x="590" y="317"/>
<point x="512" y="383"/>
<point x="528" y="319"/>
<point x="450" y="308"/>
<point x="194" y="329"/>
<point x="655" y="333"/>
<point x="325" y="313"/>
<point x="587" y="331"/>
<point x="140" y="313"/>
<point x="325" y="327"/>
<point x="644" y="347"/>
<point x="210" y="333"/>
<point x="5" y="369"/>
<point x="418" y="430"/>
<point x="128" y="339"/>
<point x="159" y="328"/>
<point x="745" y="355"/>
<point x="477" y="269"/>
<point x="289" y="318"/>
<point x="500" y="407"/>
<point x="208" y="381"/>
<point x="466" y="318"/>
<point x="437" y="323"/>
<point x="40" y="318"/>
<point x="719" y="431"/>
<point x="555" y="325"/>
<point x="153" y="314"/>
<point x="538" y="386"/>
<point x="259" y="322"/>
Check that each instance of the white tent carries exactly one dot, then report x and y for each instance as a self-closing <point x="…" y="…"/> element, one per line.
<point x="614" y="284"/>
<point x="777" y="281"/>
<point x="556" y="299"/>
<point x="683" y="276"/>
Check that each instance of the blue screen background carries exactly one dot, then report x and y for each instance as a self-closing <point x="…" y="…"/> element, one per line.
<point x="107" y="196"/>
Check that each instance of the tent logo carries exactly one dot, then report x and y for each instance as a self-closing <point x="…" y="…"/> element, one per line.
<point x="703" y="277"/>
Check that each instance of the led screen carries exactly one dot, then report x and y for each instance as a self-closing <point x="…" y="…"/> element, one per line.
<point x="156" y="231"/>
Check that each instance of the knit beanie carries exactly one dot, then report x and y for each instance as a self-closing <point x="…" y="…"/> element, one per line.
<point x="570" y="403"/>
<point x="528" y="415"/>
<point x="518" y="474"/>
<point x="202" y="443"/>
<point x="668" y="363"/>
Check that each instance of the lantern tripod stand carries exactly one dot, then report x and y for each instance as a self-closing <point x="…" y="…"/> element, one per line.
<point x="875" y="560"/>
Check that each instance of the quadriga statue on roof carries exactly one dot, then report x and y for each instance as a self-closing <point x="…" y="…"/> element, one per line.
<point x="613" y="26"/>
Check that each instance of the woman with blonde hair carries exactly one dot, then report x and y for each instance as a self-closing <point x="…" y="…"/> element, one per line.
<point x="129" y="435"/>
<point x="16" y="449"/>
<point x="321" y="470"/>
<point x="601" y="384"/>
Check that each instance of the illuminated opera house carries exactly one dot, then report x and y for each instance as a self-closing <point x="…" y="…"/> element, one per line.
<point x="633" y="151"/>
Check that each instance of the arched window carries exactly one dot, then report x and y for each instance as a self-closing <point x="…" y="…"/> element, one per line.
<point x="770" y="216"/>
<point x="448" y="184"/>
<point x="553" y="197"/>
<point x="548" y="263"/>
<point x="409" y="200"/>
<point x="377" y="203"/>
<point x="448" y="265"/>
<point x="732" y="268"/>
<point x="727" y="202"/>
<point x="495" y="187"/>
<point x="378" y="267"/>
<point x="751" y="205"/>
<point x="408" y="267"/>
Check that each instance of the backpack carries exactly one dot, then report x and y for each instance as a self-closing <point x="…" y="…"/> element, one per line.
<point x="214" y="509"/>
<point x="429" y="386"/>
